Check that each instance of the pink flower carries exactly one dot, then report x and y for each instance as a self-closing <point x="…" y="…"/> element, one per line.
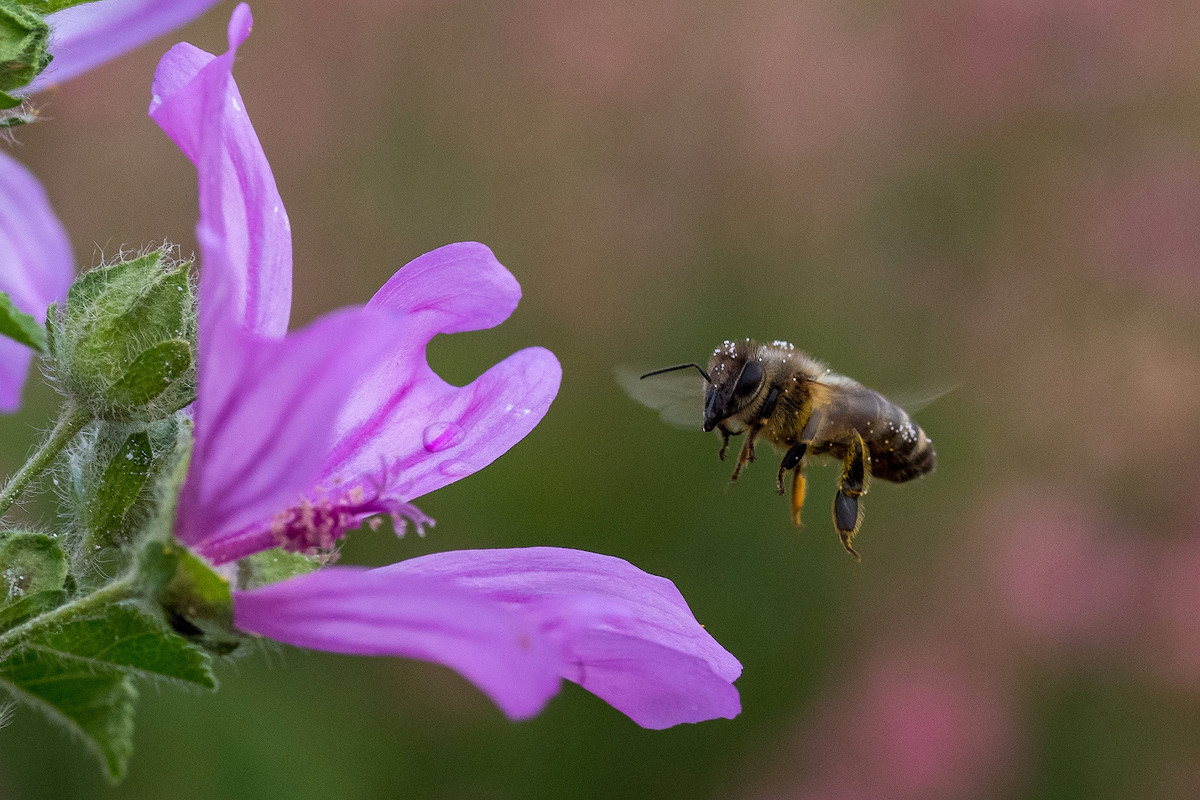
<point x="299" y="437"/>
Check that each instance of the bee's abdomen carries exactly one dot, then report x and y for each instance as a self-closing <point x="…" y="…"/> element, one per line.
<point x="900" y="450"/>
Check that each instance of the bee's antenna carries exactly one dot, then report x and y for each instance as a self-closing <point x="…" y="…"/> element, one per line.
<point x="678" y="366"/>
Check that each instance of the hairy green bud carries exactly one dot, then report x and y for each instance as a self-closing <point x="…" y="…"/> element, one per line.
<point x="124" y="346"/>
<point x="24" y="51"/>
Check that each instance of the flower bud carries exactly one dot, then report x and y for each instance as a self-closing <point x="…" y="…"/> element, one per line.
<point x="124" y="345"/>
<point x="23" y="50"/>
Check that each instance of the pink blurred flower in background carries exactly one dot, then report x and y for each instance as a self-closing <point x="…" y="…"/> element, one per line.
<point x="1068" y="583"/>
<point x="923" y="720"/>
<point x="975" y="64"/>
<point x="1140" y="218"/>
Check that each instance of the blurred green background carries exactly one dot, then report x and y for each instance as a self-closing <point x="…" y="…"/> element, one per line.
<point x="997" y="195"/>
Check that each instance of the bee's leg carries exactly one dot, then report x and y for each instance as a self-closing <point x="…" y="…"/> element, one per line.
<point x="799" y="484"/>
<point x="725" y="434"/>
<point x="747" y="454"/>
<point x="791" y="460"/>
<point x="794" y="460"/>
<point x="847" y="515"/>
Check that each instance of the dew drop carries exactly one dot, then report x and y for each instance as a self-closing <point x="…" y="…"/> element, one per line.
<point x="455" y="468"/>
<point x="442" y="435"/>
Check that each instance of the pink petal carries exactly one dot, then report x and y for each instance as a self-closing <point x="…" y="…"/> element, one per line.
<point x="265" y="411"/>
<point x="347" y="610"/>
<point x="36" y="265"/>
<point x="625" y="635"/>
<point x="87" y="35"/>
<point x="244" y="233"/>
<point x="430" y="432"/>
<point x="654" y="685"/>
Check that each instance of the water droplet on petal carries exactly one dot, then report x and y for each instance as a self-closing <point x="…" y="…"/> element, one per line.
<point x="442" y="436"/>
<point x="455" y="468"/>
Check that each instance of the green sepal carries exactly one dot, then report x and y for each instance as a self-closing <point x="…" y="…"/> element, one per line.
<point x="272" y="566"/>
<point x="117" y="490"/>
<point x="123" y="345"/>
<point x="197" y="601"/>
<point x="19" y="326"/>
<point x="24" y="51"/>
<point x="30" y="606"/>
<point x="97" y="702"/>
<point x="31" y="563"/>
<point x="152" y="373"/>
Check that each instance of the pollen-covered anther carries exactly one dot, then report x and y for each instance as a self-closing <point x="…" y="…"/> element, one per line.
<point x="314" y="525"/>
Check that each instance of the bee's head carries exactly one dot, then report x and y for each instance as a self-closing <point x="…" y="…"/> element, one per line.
<point x="735" y="375"/>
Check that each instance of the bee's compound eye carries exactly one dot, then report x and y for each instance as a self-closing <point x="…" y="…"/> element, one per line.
<point x="751" y="376"/>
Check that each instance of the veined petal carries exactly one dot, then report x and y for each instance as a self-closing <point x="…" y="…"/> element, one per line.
<point x="375" y="612"/>
<point x="430" y="432"/>
<point x="244" y="234"/>
<point x="87" y="35"/>
<point x="36" y="265"/>
<point x="625" y="635"/>
<point x="654" y="685"/>
<point x="265" y="412"/>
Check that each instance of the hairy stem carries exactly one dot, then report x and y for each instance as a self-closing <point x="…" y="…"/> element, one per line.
<point x="70" y="423"/>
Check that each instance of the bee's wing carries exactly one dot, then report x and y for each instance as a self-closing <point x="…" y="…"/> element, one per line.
<point x="912" y="402"/>
<point x="851" y="406"/>
<point x="677" y="396"/>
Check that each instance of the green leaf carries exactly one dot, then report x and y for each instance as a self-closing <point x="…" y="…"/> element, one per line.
<point x="96" y="702"/>
<point x="30" y="563"/>
<point x="118" y="489"/>
<point x="19" y="326"/>
<point x="152" y="373"/>
<point x="128" y="639"/>
<point x="29" y="607"/>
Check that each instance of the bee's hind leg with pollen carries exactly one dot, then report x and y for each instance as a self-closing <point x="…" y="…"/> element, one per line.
<point x="794" y="460"/>
<point x="847" y="515"/>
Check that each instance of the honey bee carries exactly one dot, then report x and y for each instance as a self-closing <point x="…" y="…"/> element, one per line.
<point x="775" y="392"/>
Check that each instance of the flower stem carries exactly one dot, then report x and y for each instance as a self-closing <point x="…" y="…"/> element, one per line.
<point x="121" y="589"/>
<point x="70" y="423"/>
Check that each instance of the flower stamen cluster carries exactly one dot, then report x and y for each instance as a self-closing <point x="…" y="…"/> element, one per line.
<point x="314" y="526"/>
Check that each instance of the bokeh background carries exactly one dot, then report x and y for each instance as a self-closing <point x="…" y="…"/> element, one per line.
<point x="1000" y="195"/>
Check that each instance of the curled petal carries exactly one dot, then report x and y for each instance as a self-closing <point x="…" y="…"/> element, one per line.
<point x="244" y="234"/>
<point x="405" y="415"/>
<point x="348" y="610"/>
<point x="87" y="35"/>
<point x="625" y="635"/>
<point x="456" y="288"/>
<point x="36" y="265"/>
<point x="654" y="685"/>
<point x="265" y="412"/>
